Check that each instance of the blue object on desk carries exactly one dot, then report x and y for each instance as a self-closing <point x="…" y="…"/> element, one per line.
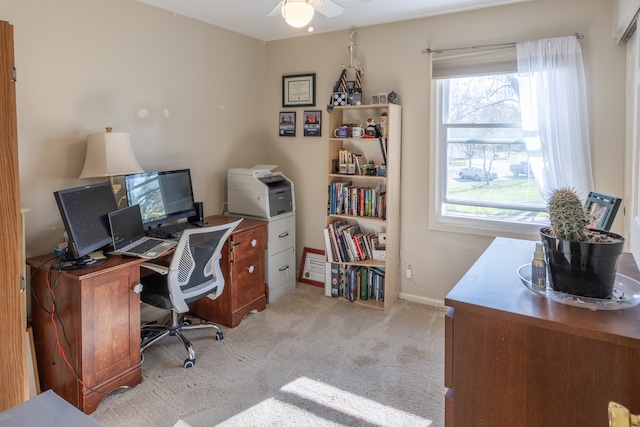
<point x="45" y="410"/>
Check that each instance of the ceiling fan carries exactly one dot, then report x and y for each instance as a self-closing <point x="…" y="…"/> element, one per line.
<point x="299" y="13"/>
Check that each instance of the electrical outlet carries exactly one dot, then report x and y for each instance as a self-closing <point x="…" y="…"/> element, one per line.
<point x="409" y="271"/>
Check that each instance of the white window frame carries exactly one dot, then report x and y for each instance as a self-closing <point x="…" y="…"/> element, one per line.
<point x="438" y="187"/>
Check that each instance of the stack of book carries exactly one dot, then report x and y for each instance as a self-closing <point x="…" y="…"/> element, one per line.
<point x="353" y="282"/>
<point x="348" y="199"/>
<point x="346" y="242"/>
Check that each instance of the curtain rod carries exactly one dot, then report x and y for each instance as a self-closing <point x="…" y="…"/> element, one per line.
<point x="429" y="50"/>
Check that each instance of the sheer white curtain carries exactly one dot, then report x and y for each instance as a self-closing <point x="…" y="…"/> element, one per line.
<point x="553" y="102"/>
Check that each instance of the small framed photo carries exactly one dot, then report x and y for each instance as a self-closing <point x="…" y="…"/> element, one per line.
<point x="312" y="124"/>
<point x="299" y="90"/>
<point x="351" y="84"/>
<point x="375" y="99"/>
<point x="287" y="123"/>
<point x="382" y="98"/>
<point x="602" y="210"/>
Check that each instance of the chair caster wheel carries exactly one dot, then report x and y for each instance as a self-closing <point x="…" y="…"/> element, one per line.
<point x="219" y="335"/>
<point x="188" y="363"/>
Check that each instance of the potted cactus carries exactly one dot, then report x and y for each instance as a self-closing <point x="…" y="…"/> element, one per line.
<point x="581" y="261"/>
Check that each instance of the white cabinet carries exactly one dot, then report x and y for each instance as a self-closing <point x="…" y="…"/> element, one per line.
<point x="281" y="256"/>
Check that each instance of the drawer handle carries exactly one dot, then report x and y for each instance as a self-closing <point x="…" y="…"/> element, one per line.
<point x="285" y="268"/>
<point x="137" y="288"/>
<point x="254" y="243"/>
<point x="285" y="234"/>
<point x="251" y="269"/>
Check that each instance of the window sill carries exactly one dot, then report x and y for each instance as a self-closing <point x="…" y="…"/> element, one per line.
<point x="487" y="228"/>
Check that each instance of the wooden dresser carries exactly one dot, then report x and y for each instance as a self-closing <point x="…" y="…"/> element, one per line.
<point x="515" y="359"/>
<point x="243" y="266"/>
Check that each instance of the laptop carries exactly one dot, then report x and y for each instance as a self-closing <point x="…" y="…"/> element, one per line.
<point x="128" y="236"/>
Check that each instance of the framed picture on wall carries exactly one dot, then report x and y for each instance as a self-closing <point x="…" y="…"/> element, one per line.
<point x="287" y="123"/>
<point x="312" y="123"/>
<point x="299" y="90"/>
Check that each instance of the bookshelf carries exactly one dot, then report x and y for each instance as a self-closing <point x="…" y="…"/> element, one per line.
<point x="362" y="208"/>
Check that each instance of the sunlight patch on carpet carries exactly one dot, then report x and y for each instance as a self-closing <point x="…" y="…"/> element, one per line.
<point x="270" y="412"/>
<point x="358" y="407"/>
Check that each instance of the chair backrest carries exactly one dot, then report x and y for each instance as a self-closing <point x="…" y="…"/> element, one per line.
<point x="602" y="210"/>
<point x="194" y="271"/>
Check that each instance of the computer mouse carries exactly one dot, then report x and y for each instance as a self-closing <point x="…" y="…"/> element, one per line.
<point x="173" y="236"/>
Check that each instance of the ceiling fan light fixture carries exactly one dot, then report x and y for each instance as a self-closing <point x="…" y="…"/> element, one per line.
<point x="297" y="13"/>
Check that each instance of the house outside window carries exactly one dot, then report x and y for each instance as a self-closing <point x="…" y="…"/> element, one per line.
<point x="482" y="159"/>
<point x="483" y="182"/>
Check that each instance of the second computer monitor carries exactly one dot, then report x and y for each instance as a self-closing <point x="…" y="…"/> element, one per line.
<point x="163" y="196"/>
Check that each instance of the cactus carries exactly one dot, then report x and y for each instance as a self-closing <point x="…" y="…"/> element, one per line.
<point x="568" y="216"/>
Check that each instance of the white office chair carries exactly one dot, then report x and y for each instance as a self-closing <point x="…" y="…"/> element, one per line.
<point x="194" y="272"/>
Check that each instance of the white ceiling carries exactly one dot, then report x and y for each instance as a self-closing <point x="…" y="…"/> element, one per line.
<point x="249" y="17"/>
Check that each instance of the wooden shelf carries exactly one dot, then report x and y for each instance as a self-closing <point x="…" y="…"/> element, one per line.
<point x="371" y="149"/>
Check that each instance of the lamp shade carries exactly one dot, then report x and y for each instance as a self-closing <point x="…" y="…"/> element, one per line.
<point x="297" y="13"/>
<point x="109" y="154"/>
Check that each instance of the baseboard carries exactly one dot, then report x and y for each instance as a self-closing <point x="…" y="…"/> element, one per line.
<point x="439" y="304"/>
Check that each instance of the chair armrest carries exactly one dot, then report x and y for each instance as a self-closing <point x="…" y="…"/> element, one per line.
<point x="161" y="269"/>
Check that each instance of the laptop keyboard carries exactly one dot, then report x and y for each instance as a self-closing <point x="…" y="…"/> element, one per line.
<point x="143" y="247"/>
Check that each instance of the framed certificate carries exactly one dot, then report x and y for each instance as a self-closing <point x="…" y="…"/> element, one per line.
<point x="299" y="90"/>
<point x="312" y="268"/>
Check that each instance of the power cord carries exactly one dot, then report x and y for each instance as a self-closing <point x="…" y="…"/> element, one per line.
<point x="55" y="319"/>
<point x="435" y="302"/>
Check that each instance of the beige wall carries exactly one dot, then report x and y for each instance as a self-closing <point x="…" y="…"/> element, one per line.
<point x="213" y="99"/>
<point x="391" y="57"/>
<point x="190" y="94"/>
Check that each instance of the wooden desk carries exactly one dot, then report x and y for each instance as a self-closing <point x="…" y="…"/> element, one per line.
<point x="98" y="326"/>
<point x="243" y="267"/>
<point x="515" y="359"/>
<point x="98" y="314"/>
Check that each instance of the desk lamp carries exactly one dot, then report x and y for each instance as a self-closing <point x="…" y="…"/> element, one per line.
<point x="110" y="154"/>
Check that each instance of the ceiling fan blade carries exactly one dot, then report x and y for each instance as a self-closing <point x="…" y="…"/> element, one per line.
<point x="276" y="9"/>
<point x="329" y="8"/>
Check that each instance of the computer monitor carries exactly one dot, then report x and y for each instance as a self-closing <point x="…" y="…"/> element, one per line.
<point x="84" y="211"/>
<point x="163" y="196"/>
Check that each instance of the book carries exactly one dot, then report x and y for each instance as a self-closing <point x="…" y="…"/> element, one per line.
<point x="335" y="280"/>
<point x="328" y="246"/>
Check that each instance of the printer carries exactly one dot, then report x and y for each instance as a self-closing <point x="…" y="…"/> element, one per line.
<point x="259" y="192"/>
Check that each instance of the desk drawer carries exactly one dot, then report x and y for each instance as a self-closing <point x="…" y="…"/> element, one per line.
<point x="249" y="243"/>
<point x="247" y="278"/>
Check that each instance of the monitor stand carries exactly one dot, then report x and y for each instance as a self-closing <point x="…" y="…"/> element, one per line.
<point x="68" y="263"/>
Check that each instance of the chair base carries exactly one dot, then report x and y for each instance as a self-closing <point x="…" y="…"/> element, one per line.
<point x="153" y="333"/>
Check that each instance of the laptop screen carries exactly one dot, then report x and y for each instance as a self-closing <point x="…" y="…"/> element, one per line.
<point x="126" y="226"/>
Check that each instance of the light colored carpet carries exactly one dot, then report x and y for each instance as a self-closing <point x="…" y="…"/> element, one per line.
<point x="307" y="360"/>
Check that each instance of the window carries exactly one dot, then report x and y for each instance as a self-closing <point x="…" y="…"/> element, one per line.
<point x="483" y="175"/>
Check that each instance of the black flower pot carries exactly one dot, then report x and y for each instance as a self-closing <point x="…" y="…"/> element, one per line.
<point x="582" y="268"/>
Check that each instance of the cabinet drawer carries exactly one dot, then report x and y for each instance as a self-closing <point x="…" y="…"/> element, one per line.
<point x="282" y="268"/>
<point x="247" y="277"/>
<point x="249" y="243"/>
<point x="282" y="234"/>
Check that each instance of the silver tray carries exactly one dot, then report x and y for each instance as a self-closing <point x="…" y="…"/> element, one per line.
<point x="626" y="293"/>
